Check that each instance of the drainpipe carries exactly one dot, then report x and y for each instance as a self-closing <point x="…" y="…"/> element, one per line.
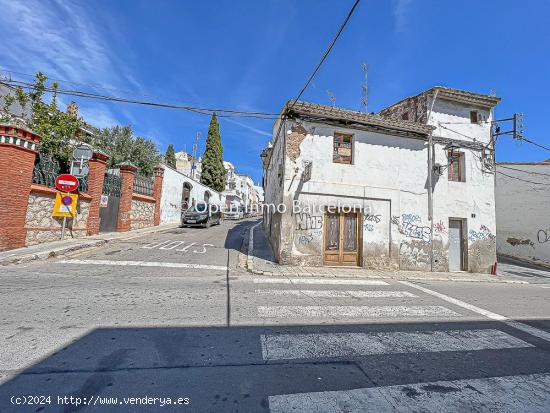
<point x="430" y="187"/>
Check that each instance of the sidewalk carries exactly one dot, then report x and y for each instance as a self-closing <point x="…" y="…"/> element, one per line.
<point x="260" y="261"/>
<point x="56" y="248"/>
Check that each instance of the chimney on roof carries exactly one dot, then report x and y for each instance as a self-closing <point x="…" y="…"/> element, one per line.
<point x="72" y="109"/>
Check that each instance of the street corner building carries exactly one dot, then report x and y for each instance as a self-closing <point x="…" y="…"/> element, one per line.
<point x="410" y="188"/>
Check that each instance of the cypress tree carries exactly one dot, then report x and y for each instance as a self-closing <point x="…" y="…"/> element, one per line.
<point x="170" y="156"/>
<point x="213" y="172"/>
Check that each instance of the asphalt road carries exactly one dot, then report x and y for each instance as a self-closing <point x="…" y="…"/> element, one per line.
<point x="170" y="316"/>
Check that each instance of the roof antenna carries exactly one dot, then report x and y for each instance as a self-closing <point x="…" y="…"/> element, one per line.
<point x="365" y="88"/>
<point x="332" y="98"/>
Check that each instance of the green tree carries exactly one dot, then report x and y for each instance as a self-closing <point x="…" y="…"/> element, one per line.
<point x="170" y="157"/>
<point x="213" y="172"/>
<point x="59" y="130"/>
<point x="121" y="144"/>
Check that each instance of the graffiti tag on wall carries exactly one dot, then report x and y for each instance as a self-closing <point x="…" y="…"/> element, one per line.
<point x="484" y="233"/>
<point x="305" y="239"/>
<point x="376" y="218"/>
<point x="543" y="236"/>
<point x="408" y="226"/>
<point x="306" y="222"/>
<point x="440" y="228"/>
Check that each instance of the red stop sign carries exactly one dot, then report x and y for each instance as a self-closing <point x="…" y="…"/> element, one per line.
<point x="66" y="182"/>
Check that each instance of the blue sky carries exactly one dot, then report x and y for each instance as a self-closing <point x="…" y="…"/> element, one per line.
<point x="255" y="55"/>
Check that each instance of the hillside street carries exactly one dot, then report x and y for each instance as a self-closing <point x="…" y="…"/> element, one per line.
<point x="171" y="315"/>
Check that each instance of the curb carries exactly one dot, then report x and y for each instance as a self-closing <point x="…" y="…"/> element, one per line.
<point x="390" y="277"/>
<point x="83" y="244"/>
<point x="20" y="259"/>
<point x="249" y="257"/>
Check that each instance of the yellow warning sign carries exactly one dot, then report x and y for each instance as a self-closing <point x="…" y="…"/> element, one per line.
<point x="65" y="205"/>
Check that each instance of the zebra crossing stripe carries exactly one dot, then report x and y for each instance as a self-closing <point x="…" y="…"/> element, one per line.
<point x="145" y="264"/>
<point x="536" y="332"/>
<point x="528" y="393"/>
<point x="328" y="281"/>
<point x="339" y="294"/>
<point x="312" y="346"/>
<point x="316" y="311"/>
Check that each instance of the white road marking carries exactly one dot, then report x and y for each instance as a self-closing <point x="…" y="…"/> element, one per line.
<point x="184" y="249"/>
<point x="308" y="346"/>
<point x="155" y="245"/>
<point x="146" y="264"/>
<point x="171" y="245"/>
<point x="507" y="394"/>
<point x="328" y="281"/>
<point x="316" y="311"/>
<point x="493" y="316"/>
<point x="339" y="294"/>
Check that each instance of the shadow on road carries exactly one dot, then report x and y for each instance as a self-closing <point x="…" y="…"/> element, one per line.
<point x="236" y="369"/>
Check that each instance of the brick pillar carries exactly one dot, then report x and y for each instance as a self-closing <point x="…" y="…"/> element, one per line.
<point x="96" y="175"/>
<point x="157" y="191"/>
<point x="18" y="149"/>
<point x="127" y="172"/>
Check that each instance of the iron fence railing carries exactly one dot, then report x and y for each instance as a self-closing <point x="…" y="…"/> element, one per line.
<point x="143" y="185"/>
<point x="48" y="168"/>
<point x="112" y="184"/>
<point x="45" y="171"/>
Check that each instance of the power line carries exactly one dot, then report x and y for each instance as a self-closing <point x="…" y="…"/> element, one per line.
<point x="521" y="170"/>
<point x="310" y="78"/>
<point x="534" y="143"/>
<point x="200" y="110"/>
<point x="327" y="52"/>
<point x="521" y="179"/>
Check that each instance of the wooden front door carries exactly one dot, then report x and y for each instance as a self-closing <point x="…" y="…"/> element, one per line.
<point x="341" y="237"/>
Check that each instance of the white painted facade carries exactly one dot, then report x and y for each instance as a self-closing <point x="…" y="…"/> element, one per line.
<point x="171" y="200"/>
<point x="388" y="183"/>
<point x="523" y="220"/>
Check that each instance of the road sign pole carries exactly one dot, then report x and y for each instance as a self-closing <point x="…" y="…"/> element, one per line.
<point x="63" y="227"/>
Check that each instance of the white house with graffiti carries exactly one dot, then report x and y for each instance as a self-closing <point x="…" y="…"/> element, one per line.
<point x="353" y="188"/>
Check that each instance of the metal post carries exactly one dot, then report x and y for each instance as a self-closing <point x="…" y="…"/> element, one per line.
<point x="63" y="227"/>
<point x="430" y="183"/>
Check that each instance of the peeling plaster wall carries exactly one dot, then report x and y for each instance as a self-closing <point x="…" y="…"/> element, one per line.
<point x="273" y="184"/>
<point x="523" y="217"/>
<point x="415" y="107"/>
<point x="387" y="183"/>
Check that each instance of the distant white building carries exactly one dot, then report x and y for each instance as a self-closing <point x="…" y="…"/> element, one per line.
<point x="180" y="191"/>
<point x="365" y="193"/>
<point x="522" y="208"/>
<point x="185" y="165"/>
<point x="233" y="185"/>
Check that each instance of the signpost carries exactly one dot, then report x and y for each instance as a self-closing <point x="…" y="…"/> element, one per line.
<point x="81" y="155"/>
<point x="66" y="183"/>
<point x="65" y="203"/>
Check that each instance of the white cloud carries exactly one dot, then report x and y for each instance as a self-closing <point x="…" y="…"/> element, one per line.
<point x="401" y="14"/>
<point x="250" y="128"/>
<point x="60" y="39"/>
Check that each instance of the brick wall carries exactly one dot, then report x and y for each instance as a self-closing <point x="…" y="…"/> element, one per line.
<point x="17" y="156"/>
<point x="26" y="208"/>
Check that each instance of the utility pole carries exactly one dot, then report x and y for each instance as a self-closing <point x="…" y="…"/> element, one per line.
<point x="365" y="89"/>
<point x="195" y="148"/>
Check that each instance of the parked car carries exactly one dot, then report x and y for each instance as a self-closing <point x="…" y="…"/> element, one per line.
<point x="201" y="215"/>
<point x="233" y="213"/>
